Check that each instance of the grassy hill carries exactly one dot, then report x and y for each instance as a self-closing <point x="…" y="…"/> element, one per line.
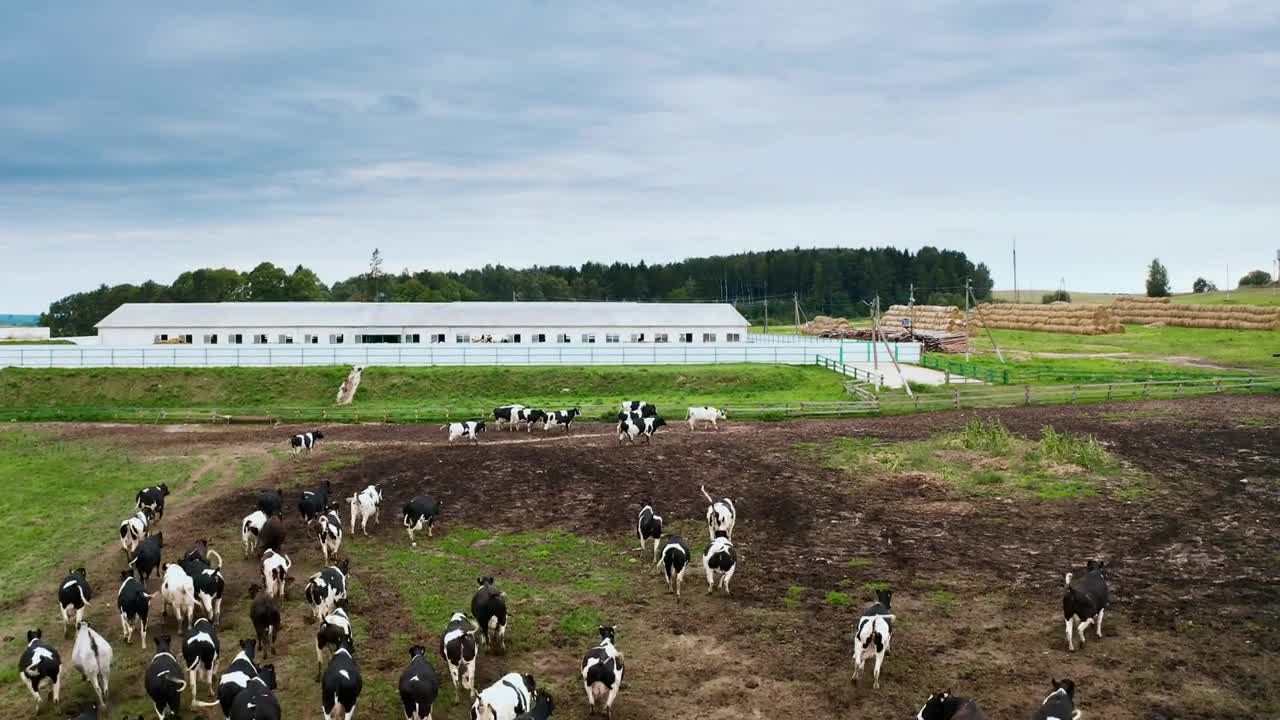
<point x="1246" y="296"/>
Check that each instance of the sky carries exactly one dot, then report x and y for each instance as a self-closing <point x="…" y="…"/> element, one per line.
<point x="142" y="139"/>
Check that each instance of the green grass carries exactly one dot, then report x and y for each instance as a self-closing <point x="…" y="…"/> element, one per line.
<point x="835" y="598"/>
<point x="1033" y="296"/>
<point x="795" y="596"/>
<point x="57" y="493"/>
<point x="1243" y="296"/>
<point x="871" y="588"/>
<point x="944" y="600"/>
<point x="984" y="459"/>
<point x="858" y="563"/>
<point x="1232" y="348"/>
<point x="6" y="343"/>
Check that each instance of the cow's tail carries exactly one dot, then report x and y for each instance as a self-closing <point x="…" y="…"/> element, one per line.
<point x="445" y="426"/>
<point x="338" y="710"/>
<point x="1066" y="582"/>
<point x="703" y="488"/>
<point x="179" y="682"/>
<point x="493" y="623"/>
<point x="214" y="553"/>
<point x="205" y="704"/>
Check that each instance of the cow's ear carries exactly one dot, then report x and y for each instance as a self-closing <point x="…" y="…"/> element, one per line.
<point x="1102" y="564"/>
<point x="530" y="683"/>
<point x="1056" y="686"/>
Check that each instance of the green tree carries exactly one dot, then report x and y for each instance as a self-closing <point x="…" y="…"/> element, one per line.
<point x="1157" y="280"/>
<point x="266" y="283"/>
<point x="1255" y="278"/>
<point x="1201" y="286"/>
<point x="1055" y="296"/>
<point x="304" y="284"/>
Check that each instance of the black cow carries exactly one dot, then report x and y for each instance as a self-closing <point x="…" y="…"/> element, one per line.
<point x="420" y="511"/>
<point x="533" y="416"/>
<point x="340" y="687"/>
<point x="602" y="671"/>
<point x="326" y="588"/>
<point x="1085" y="600"/>
<point x="649" y="527"/>
<point x="74" y="595"/>
<point x="147" y="558"/>
<point x="314" y="503"/>
<point x="206" y="580"/>
<point x="40" y="663"/>
<point x="152" y="499"/>
<point x="257" y="701"/>
<point x="507" y="415"/>
<point x="334" y="630"/>
<point x="634" y="426"/>
<point x="271" y="536"/>
<point x="640" y="407"/>
<point x="164" y="680"/>
<point x="134" y="604"/>
<point x="234" y="679"/>
<point x="945" y="706"/>
<point x="271" y="502"/>
<point x="200" y="652"/>
<point x="265" y="614"/>
<point x="458" y="648"/>
<point x="1060" y="704"/>
<point x="418" y="685"/>
<point x="305" y="441"/>
<point x="489" y="608"/>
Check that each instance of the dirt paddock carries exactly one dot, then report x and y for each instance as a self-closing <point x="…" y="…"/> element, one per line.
<point x="1193" y="631"/>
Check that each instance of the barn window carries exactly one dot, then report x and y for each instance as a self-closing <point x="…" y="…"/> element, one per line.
<point x="210" y="339"/>
<point x="539" y="337"/>
<point x="237" y="339"/>
<point x="637" y="337"/>
<point x="464" y="338"/>
<point x="335" y="339"/>
<point x="588" y="337"/>
<point x="685" y="337"/>
<point x="259" y="339"/>
<point x="413" y="338"/>
<point x="161" y="338"/>
<point x="562" y="338"/>
<point x="660" y="337"/>
<point x="515" y="338"/>
<point x="611" y="338"/>
<point x="186" y="339"/>
<point x="438" y="338"/>
<point x="286" y="339"/>
<point x="733" y="337"/>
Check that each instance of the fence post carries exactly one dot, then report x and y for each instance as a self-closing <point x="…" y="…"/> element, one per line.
<point x="1075" y="392"/>
<point x="1146" y="389"/>
<point x="1006" y="377"/>
<point x="946" y="380"/>
<point x="1026" y="394"/>
<point x="1178" y="390"/>
<point x="1109" y="386"/>
<point x="957" y="398"/>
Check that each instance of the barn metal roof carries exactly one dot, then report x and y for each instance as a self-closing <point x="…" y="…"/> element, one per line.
<point x="450" y="314"/>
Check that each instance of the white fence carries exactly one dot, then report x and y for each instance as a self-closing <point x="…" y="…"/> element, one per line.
<point x="788" y="353"/>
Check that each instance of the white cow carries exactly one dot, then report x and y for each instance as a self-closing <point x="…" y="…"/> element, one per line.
<point x="249" y="529"/>
<point x="179" y="592"/>
<point x="91" y="655"/>
<point x="506" y="699"/>
<point x="704" y="415"/>
<point x="364" y="505"/>
<point x="275" y="573"/>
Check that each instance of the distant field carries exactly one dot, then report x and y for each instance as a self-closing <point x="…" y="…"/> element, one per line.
<point x="1234" y="348"/>
<point x="1033" y="296"/>
<point x="1247" y="296"/>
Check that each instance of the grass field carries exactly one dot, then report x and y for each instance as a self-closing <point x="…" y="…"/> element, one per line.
<point x="1244" y="296"/>
<point x="1234" y="348"/>
<point x="1034" y="296"/>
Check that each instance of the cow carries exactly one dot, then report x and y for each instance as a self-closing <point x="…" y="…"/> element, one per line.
<point x="562" y="418"/>
<point x="326" y="588"/>
<point x="1059" y="704"/>
<point x="531" y="417"/>
<point x="418" y="686"/>
<point x="134" y="604"/>
<point x="649" y="527"/>
<point x="722" y="515"/>
<point x="74" y="595"/>
<point x="506" y="416"/>
<point x="147" y="558"/>
<point x="674" y="561"/>
<point x="265" y="614"/>
<point x="305" y="441"/>
<point x="91" y="655"/>
<point x="271" y="502"/>
<point x="340" y="687"/>
<point x="329" y="531"/>
<point x="705" y="415"/>
<point x="634" y="426"/>
<point x="206" y="579"/>
<point x="875" y="626"/>
<point x="178" y="591"/>
<point x="639" y="407"/>
<point x="945" y="706"/>
<point x="334" y="630"/>
<point x="489" y="608"/>
<point x="133" y="529"/>
<point x="364" y="505"/>
<point x="272" y="536"/>
<point x="720" y="560"/>
<point x="469" y="430"/>
<point x="249" y="529"/>
<point x="506" y="699"/>
<point x="602" y="671"/>
<point x="543" y="706"/>
<point x="257" y="701"/>
<point x="164" y="680"/>
<point x="315" y="503"/>
<point x="420" y="511"/>
<point x="1085" y="600"/>
<point x="458" y="648"/>
<point x="39" y="663"/>
<point x="234" y="679"/>
<point x="200" y="653"/>
<point x="152" y="499"/>
<point x="275" y="574"/>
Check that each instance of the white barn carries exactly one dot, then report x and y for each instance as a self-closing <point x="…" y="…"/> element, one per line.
<point x="355" y="323"/>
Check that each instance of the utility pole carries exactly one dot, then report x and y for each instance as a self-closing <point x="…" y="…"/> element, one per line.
<point x="967" y="291"/>
<point x="795" y="300"/>
<point x="911" y="304"/>
<point x="1017" y="297"/>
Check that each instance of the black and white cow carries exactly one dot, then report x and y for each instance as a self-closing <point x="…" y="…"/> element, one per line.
<point x="265" y="615"/>
<point x="305" y="441"/>
<point x="275" y="574"/>
<point x="74" y="595"/>
<point x="234" y="679"/>
<point x="329" y="532"/>
<point x="1085" y="600"/>
<point x="674" y="559"/>
<point x="506" y="699"/>
<point x="326" y="588"/>
<point x="720" y="560"/>
<point x="340" y="687"/>
<point x="458" y="648"/>
<point x="874" y="627"/>
<point x="315" y="503"/>
<point x="92" y="656"/>
<point x="469" y="430"/>
<point x="164" y="680"/>
<point x="271" y="502"/>
<point x="634" y="426"/>
<point x="506" y="416"/>
<point x="543" y="706"/>
<point x="602" y="671"/>
<point x="249" y="529"/>
<point x="40" y="663"/>
<point x="489" y="608"/>
<point x="945" y="706"/>
<point x="532" y="416"/>
<point x="200" y="653"/>
<point x="333" y="631"/>
<point x="258" y="700"/>
<point x="1059" y="704"/>
<point x="178" y="590"/>
<point x="639" y="407"/>
<point x="364" y="505"/>
<point x="152" y="499"/>
<point x="206" y="579"/>
<point x="722" y="515"/>
<point x="419" y="512"/>
<point x="133" y="529"/>
<point x="134" y="604"/>
<point x="418" y="686"/>
<point x="562" y="418"/>
<point x="649" y="527"/>
<point x="272" y="536"/>
<point x="711" y="415"/>
<point x="147" y="558"/>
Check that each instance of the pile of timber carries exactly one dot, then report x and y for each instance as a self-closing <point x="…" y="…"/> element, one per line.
<point x="930" y="340"/>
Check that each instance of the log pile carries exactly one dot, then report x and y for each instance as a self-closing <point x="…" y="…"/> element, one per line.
<point x="930" y="340"/>
<point x="1059" y="317"/>
<point x="945" y="318"/>
<point x="1139" y="311"/>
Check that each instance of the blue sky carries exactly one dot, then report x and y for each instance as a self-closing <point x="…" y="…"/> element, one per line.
<point x="141" y="139"/>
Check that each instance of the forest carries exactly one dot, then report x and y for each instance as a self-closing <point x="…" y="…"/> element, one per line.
<point x="829" y="281"/>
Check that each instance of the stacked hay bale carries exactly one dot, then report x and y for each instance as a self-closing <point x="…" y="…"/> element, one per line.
<point x="1141" y="311"/>
<point x="946" y="318"/>
<point x="825" y="326"/>
<point x="1059" y="317"/>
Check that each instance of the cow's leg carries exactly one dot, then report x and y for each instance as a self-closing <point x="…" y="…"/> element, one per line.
<point x="453" y="674"/>
<point x="711" y="580"/>
<point x="591" y="698"/>
<point x="1100" y="614"/>
<point x="879" y="661"/>
<point x="727" y="577"/>
<point x="679" y="580"/>
<point x="35" y="690"/>
<point x="469" y="677"/>
<point x="1082" y="627"/>
<point x="857" y="659"/>
<point x="126" y="629"/>
<point x="65" y="620"/>
<point x="1071" y="644"/>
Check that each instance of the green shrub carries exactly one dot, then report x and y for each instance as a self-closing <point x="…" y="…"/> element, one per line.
<point x="989" y="437"/>
<point x="1055" y="296"/>
<point x="835" y="598"/>
<point x="1084" y="451"/>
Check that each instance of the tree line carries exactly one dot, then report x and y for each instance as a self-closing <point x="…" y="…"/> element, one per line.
<point x="830" y="281"/>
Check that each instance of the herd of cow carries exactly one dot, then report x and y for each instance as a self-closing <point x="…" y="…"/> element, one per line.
<point x="636" y="419"/>
<point x="245" y="689"/>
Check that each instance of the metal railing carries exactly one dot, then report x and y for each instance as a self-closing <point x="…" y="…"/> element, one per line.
<point x="875" y="378"/>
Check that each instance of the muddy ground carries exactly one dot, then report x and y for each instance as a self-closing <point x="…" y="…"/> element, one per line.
<point x="1193" y="630"/>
